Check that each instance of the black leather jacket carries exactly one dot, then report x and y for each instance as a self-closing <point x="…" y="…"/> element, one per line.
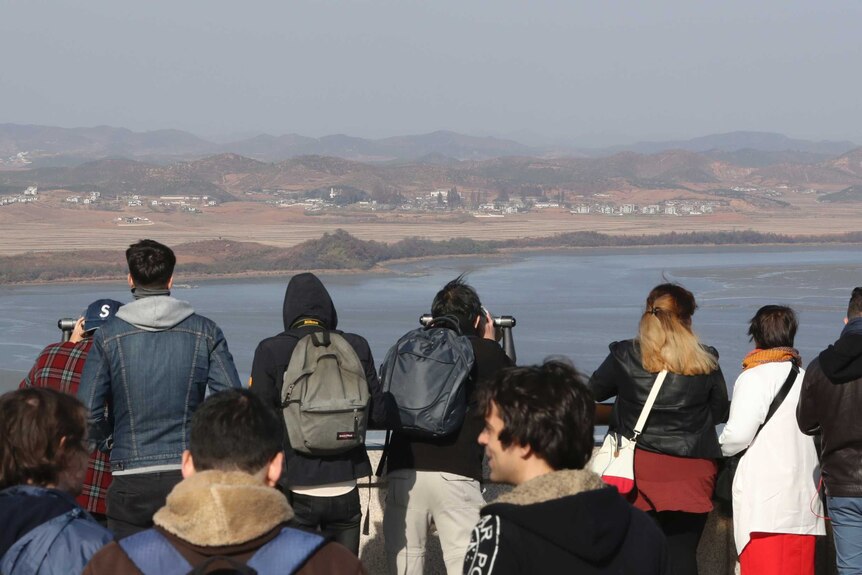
<point x="688" y="407"/>
<point x="829" y="404"/>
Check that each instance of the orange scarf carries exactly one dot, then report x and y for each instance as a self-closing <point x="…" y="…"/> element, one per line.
<point x="761" y="356"/>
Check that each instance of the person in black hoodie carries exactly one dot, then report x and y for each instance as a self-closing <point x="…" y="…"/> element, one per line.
<point x="560" y="517"/>
<point x="829" y="404"/>
<point x="322" y="490"/>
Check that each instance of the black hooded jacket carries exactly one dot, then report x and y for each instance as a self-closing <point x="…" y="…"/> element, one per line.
<point x="829" y="404"/>
<point x="307" y="298"/>
<point x="565" y="522"/>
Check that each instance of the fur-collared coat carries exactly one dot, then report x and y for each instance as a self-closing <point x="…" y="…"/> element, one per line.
<point x="567" y="521"/>
<point x="230" y="514"/>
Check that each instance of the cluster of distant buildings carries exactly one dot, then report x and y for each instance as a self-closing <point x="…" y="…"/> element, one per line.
<point x="667" y="208"/>
<point x="91" y="198"/>
<point x="18" y="160"/>
<point x="446" y="199"/>
<point x="133" y="221"/>
<point x="182" y="203"/>
<point x="31" y="194"/>
<point x="437" y="200"/>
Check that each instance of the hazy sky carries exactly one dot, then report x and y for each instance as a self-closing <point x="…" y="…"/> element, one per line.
<point x="591" y="71"/>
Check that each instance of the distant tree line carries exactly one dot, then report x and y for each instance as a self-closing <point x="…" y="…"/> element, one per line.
<point x="341" y="251"/>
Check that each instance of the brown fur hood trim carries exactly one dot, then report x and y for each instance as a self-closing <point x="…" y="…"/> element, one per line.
<point x="552" y="485"/>
<point x="218" y="508"/>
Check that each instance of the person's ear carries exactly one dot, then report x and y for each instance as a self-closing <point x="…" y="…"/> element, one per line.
<point x="273" y="470"/>
<point x="131" y="281"/>
<point x="188" y="467"/>
<point x="171" y="282"/>
<point x="846" y="321"/>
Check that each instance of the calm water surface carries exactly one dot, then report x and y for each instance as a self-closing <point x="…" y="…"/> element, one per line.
<point x="570" y="303"/>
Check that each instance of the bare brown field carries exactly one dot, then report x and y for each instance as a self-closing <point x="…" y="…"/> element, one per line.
<point x="50" y="226"/>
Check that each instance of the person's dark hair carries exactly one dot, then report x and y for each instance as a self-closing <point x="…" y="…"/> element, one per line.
<point x="234" y="430"/>
<point x="854" y="309"/>
<point x="773" y="326"/>
<point x="458" y="299"/>
<point x="151" y="264"/>
<point x="547" y="407"/>
<point x="41" y="431"/>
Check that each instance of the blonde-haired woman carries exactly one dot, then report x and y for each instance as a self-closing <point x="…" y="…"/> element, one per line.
<point x="675" y="461"/>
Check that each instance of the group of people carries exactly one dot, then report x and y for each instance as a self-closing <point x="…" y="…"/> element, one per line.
<point x="177" y="467"/>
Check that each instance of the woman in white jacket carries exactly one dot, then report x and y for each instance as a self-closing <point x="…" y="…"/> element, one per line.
<point x="776" y="510"/>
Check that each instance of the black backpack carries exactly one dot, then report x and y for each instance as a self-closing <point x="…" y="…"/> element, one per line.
<point x="424" y="380"/>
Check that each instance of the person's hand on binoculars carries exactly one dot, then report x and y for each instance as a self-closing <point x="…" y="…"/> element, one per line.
<point x="77" y="331"/>
<point x="489" y="331"/>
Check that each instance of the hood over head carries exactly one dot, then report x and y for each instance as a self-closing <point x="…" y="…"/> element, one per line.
<point x="306" y="297"/>
<point x="571" y="509"/>
<point x="157" y="313"/>
<point x="842" y="361"/>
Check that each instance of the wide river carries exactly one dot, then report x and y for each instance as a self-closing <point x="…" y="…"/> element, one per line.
<point x="569" y="303"/>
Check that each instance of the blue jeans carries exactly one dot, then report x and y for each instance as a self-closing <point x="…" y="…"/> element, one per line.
<point x="846" y="515"/>
<point x="338" y="517"/>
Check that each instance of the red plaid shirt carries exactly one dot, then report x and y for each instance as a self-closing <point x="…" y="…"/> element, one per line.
<point x="59" y="367"/>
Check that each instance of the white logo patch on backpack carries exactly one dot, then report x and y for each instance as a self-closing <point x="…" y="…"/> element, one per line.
<point x="325" y="396"/>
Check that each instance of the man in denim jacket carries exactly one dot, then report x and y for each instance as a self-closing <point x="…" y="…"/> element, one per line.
<point x="152" y="365"/>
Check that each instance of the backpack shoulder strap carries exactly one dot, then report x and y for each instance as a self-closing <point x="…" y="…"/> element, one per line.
<point x="782" y="393"/>
<point x="153" y="554"/>
<point x="287" y="552"/>
<point x="296" y="367"/>
<point x="321" y="338"/>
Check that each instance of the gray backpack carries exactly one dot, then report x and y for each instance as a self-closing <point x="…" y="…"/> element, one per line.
<point x="325" y="396"/>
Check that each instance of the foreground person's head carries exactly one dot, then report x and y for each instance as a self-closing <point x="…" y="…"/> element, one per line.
<point x="235" y="430"/>
<point x="537" y="419"/>
<point x="43" y="440"/>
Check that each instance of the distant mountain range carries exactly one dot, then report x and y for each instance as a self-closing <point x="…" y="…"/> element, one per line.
<point x="740" y="141"/>
<point x="51" y="146"/>
<point x="231" y="176"/>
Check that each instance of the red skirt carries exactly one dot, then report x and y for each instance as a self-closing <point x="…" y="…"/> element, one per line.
<point x="670" y="483"/>
<point x="778" y="554"/>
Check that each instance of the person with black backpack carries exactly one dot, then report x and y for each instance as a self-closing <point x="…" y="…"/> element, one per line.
<point x="434" y="463"/>
<point x="325" y="384"/>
